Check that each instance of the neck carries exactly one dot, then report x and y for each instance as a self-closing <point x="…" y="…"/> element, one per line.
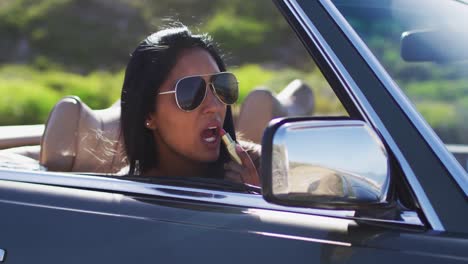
<point x="171" y="163"/>
<point x="180" y="167"/>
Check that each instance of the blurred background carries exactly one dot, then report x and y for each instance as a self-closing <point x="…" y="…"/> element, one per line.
<point x="53" y="48"/>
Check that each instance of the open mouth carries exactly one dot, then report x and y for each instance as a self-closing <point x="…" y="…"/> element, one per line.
<point x="210" y="134"/>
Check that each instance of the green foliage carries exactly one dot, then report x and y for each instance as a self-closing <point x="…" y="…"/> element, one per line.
<point x="448" y="119"/>
<point x="442" y="90"/>
<point x="81" y="36"/>
<point x="27" y="95"/>
<point x="98" y="90"/>
<point x="237" y="34"/>
<point x="250" y="77"/>
<point x="439" y="90"/>
<point x="21" y="13"/>
<point x="78" y="47"/>
<point x="254" y="76"/>
<point x="23" y="102"/>
<point x="326" y="102"/>
<point x="437" y="114"/>
<point x="84" y="36"/>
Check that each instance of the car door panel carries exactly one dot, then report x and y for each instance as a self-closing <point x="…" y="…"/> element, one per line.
<point x="66" y="225"/>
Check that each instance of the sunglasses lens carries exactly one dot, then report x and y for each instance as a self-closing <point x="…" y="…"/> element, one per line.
<point x="226" y="87"/>
<point x="190" y="92"/>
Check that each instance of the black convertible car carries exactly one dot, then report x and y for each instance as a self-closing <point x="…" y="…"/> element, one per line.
<point x="378" y="186"/>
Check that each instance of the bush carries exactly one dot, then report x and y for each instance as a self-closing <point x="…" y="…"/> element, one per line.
<point x="27" y="95"/>
<point x="98" y="90"/>
<point x="438" y="90"/>
<point x="78" y="35"/>
<point x="253" y="76"/>
<point x="239" y="35"/>
<point x="24" y="102"/>
<point x="437" y="114"/>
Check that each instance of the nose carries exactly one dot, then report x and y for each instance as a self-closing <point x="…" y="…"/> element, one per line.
<point x="212" y="104"/>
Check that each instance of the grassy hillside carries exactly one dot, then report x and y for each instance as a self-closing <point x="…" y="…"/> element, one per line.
<point x="27" y="94"/>
<point x="53" y="48"/>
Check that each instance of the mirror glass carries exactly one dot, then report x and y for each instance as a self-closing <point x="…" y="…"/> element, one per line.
<point x="329" y="162"/>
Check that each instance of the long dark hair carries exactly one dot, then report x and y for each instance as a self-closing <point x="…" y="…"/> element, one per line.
<point x="148" y="68"/>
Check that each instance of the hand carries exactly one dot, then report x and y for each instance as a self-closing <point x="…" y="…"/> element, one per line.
<point x="245" y="173"/>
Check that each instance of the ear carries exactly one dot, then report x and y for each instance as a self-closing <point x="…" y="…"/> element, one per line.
<point x="150" y="122"/>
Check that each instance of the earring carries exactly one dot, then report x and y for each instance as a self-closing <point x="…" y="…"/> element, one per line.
<point x="147" y="124"/>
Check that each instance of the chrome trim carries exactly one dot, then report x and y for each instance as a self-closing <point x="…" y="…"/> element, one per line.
<point x="321" y="44"/>
<point x="125" y="186"/>
<point x="411" y="217"/>
<point x="2" y="255"/>
<point x="118" y="185"/>
<point x="322" y="171"/>
<point x="303" y="238"/>
<point x="368" y="112"/>
<point x="452" y="165"/>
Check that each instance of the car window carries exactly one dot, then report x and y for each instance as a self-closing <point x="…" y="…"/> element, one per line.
<point x="52" y="48"/>
<point x="422" y="44"/>
<point x="57" y="48"/>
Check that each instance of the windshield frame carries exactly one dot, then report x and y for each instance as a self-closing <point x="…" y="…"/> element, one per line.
<point x="439" y="148"/>
<point x="337" y="55"/>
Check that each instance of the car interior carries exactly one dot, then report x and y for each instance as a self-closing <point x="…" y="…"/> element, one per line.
<point x="76" y="138"/>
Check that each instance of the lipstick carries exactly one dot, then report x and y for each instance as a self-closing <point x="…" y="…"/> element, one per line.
<point x="230" y="146"/>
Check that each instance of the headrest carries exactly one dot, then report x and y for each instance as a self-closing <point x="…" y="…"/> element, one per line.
<point x="297" y="98"/>
<point x="79" y="139"/>
<point x="261" y="106"/>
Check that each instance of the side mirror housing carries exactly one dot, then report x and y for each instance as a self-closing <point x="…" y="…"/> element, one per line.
<point x="327" y="163"/>
<point x="434" y="45"/>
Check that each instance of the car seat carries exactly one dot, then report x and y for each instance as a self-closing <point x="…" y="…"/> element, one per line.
<point x="261" y="106"/>
<point x="79" y="139"/>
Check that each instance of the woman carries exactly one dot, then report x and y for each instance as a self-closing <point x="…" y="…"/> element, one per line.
<point x="174" y="102"/>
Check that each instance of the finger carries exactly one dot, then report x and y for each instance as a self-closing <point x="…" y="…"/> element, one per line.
<point x="251" y="173"/>
<point x="246" y="160"/>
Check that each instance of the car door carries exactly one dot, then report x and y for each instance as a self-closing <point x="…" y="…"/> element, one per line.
<point x="119" y="222"/>
<point x="435" y="180"/>
<point x="62" y="218"/>
<point x="145" y="223"/>
<point x="123" y="222"/>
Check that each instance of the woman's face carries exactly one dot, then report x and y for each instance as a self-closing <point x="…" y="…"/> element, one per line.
<point x="188" y="135"/>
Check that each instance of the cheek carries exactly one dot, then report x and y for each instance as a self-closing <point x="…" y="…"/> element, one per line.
<point x="175" y="126"/>
<point x="168" y="114"/>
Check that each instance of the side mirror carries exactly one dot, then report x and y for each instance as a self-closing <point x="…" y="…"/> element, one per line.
<point x="434" y="45"/>
<point x="329" y="163"/>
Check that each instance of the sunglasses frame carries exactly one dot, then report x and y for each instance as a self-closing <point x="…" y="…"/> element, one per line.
<point x="206" y="89"/>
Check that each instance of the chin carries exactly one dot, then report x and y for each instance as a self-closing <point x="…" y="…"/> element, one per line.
<point x="209" y="157"/>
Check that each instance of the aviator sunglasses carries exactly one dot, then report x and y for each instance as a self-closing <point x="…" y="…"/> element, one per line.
<point x="190" y="91"/>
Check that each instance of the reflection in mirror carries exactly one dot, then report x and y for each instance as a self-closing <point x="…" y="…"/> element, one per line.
<point x="330" y="162"/>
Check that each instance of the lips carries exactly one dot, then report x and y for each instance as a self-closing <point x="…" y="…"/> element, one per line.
<point x="210" y="134"/>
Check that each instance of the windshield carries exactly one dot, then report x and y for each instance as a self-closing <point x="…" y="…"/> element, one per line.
<point x="423" y="46"/>
<point x="62" y="71"/>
